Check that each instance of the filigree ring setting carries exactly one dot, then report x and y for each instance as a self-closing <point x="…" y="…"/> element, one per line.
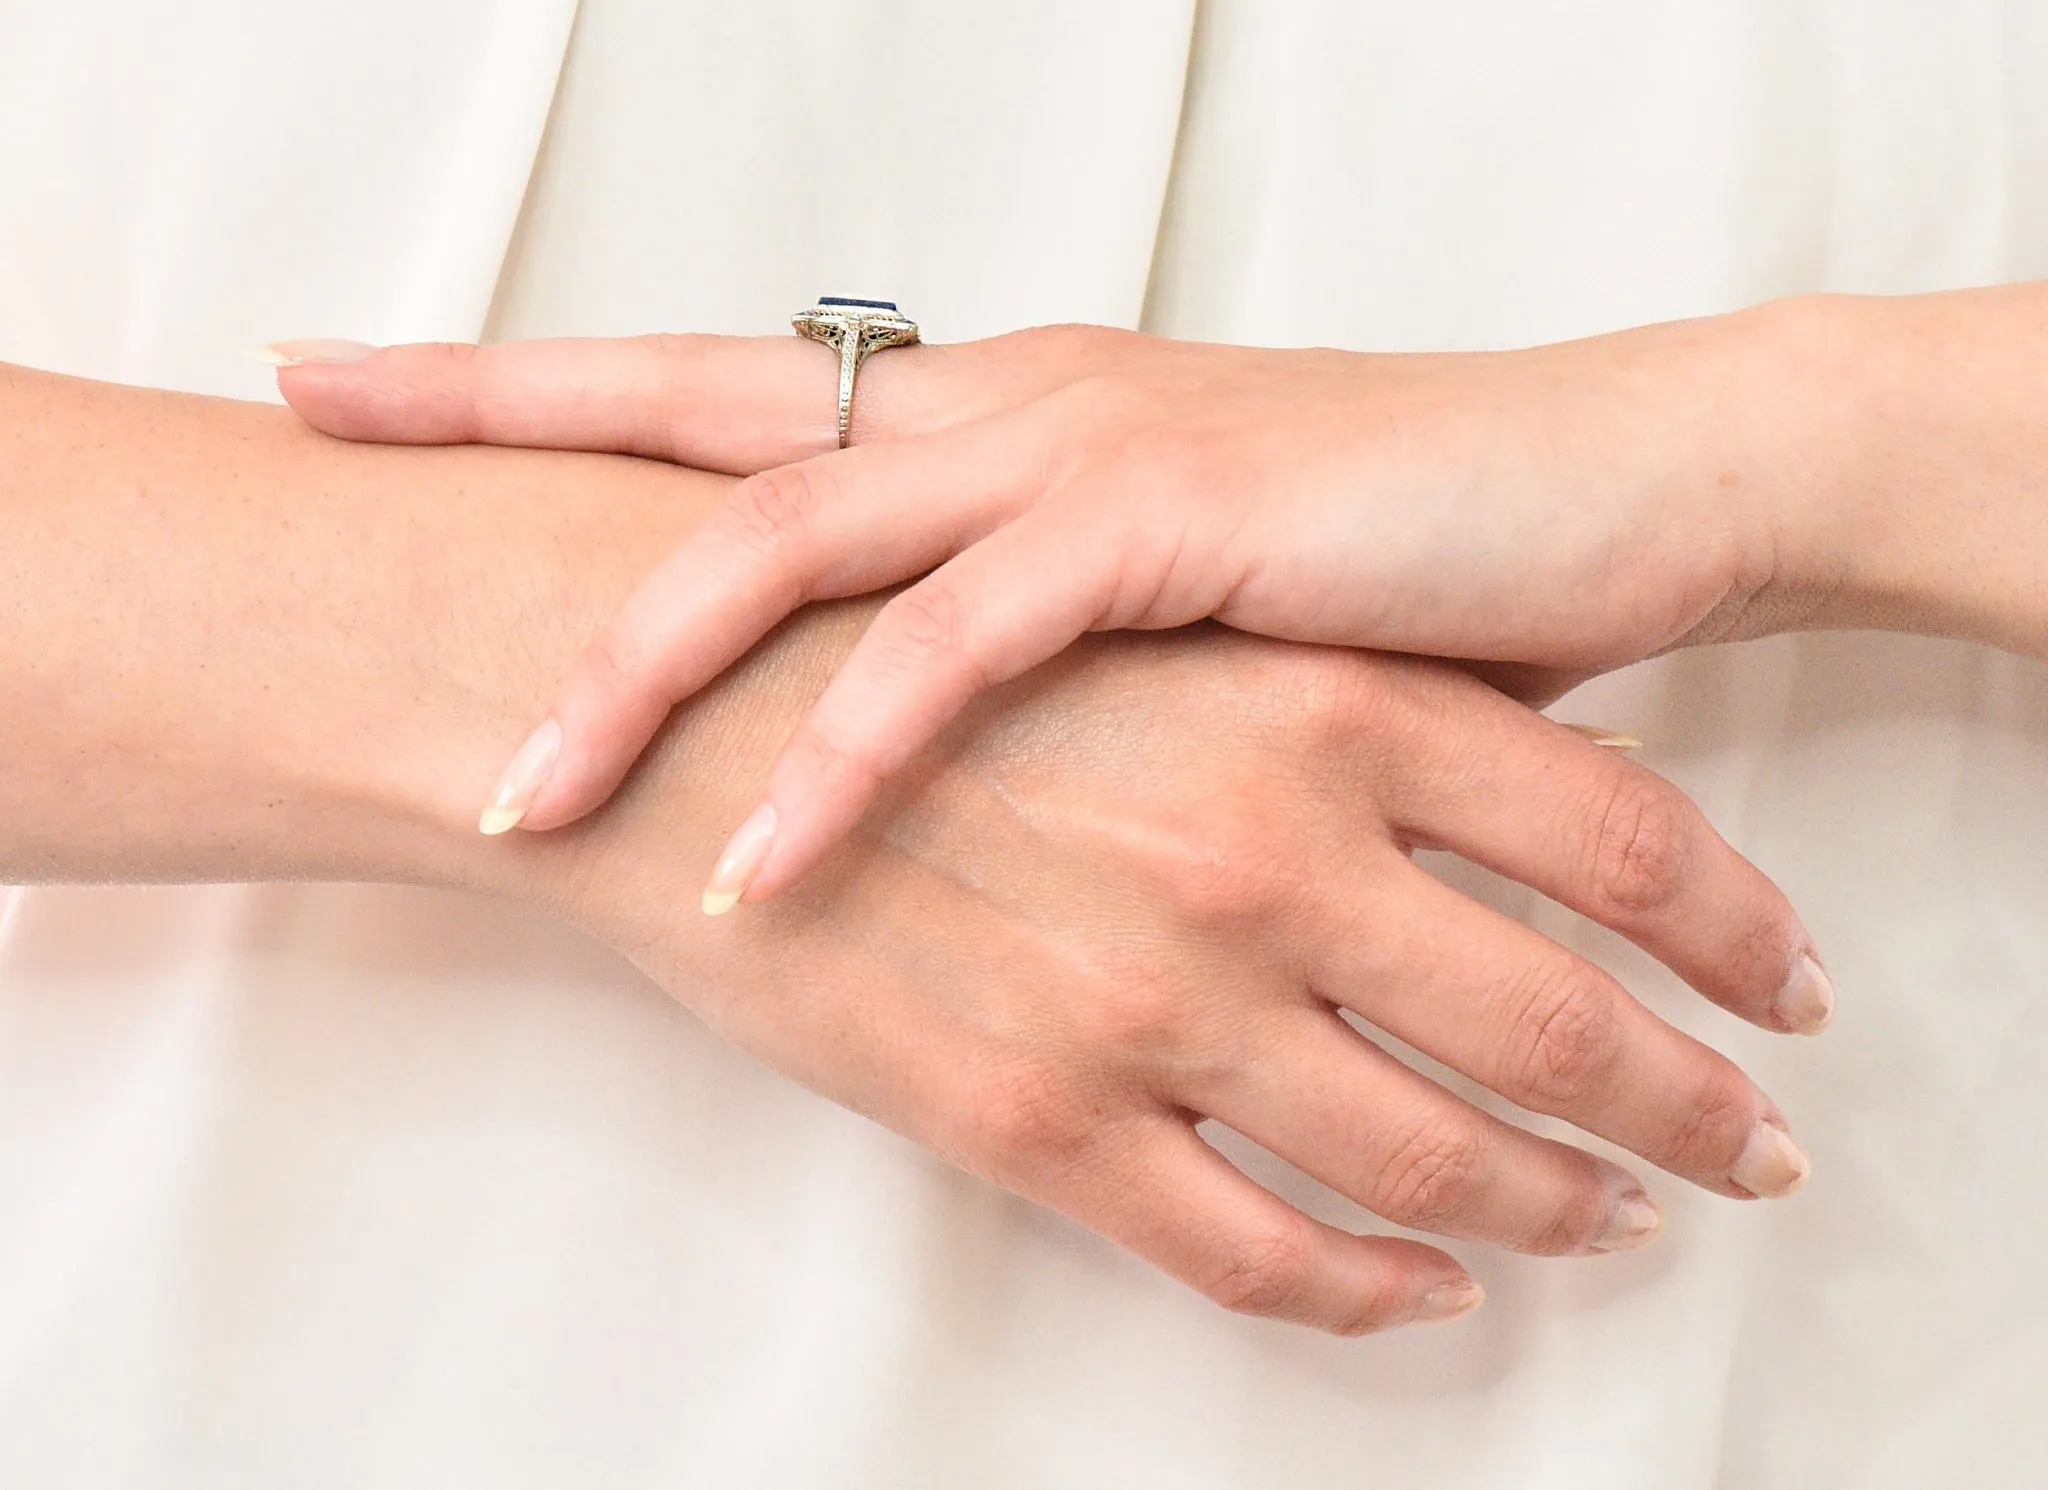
<point x="853" y="329"/>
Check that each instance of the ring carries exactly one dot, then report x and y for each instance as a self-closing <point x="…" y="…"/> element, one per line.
<point x="853" y="329"/>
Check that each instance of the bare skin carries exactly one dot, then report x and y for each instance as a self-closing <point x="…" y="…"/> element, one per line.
<point x="1123" y="894"/>
<point x="1827" y="462"/>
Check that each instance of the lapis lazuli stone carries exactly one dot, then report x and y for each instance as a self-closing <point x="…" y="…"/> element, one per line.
<point x="888" y="305"/>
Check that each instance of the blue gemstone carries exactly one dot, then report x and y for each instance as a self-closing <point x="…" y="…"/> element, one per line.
<point x="888" y="305"/>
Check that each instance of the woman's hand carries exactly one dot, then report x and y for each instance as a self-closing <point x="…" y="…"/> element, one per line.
<point x="1133" y="892"/>
<point x="1574" y="507"/>
<point x="1124" y="894"/>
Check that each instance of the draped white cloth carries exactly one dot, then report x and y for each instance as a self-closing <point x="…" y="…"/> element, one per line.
<point x="344" y="1186"/>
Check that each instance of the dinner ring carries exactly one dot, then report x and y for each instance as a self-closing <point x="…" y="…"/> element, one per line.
<point x="853" y="329"/>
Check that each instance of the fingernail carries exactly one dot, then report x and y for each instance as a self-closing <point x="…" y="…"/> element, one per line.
<point x="1606" y="739"/>
<point x="1633" y="1222"/>
<point x="312" y="349"/>
<point x="1807" y="1001"/>
<point x="744" y="854"/>
<point x="1771" y="1164"/>
<point x="1449" y="1300"/>
<point x="524" y="776"/>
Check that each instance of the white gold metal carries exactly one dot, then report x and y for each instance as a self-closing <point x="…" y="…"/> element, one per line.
<point x="853" y="329"/>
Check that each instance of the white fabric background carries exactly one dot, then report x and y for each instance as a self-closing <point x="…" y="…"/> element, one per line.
<point x="349" y="1186"/>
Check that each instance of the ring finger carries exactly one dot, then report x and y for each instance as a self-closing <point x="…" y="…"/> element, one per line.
<point x="1511" y="1009"/>
<point x="1342" y="1110"/>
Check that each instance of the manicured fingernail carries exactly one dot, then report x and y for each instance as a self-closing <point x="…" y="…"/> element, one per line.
<point x="524" y="776"/>
<point x="744" y="854"/>
<point x="1606" y="739"/>
<point x="1807" y="1001"/>
<point x="1449" y="1300"/>
<point x="1771" y="1164"/>
<point x="1633" y="1222"/>
<point x="312" y="349"/>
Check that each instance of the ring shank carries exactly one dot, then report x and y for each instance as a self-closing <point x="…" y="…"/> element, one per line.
<point x="854" y="329"/>
<point x="849" y="369"/>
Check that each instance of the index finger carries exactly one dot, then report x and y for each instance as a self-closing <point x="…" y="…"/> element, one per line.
<point x="736" y="404"/>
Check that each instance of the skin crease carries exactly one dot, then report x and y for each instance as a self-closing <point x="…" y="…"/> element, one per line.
<point x="1124" y="893"/>
<point x="1553" y="512"/>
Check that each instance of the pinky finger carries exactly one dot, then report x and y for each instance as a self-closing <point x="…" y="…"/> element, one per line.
<point x="1190" y="1212"/>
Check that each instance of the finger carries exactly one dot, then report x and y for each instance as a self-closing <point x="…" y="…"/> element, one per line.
<point x="737" y="404"/>
<point x="721" y="403"/>
<point x="1004" y="605"/>
<point x="848" y="523"/>
<point x="1180" y="1205"/>
<point x="1504" y="1005"/>
<point x="1342" y="1110"/>
<point x="1597" y="832"/>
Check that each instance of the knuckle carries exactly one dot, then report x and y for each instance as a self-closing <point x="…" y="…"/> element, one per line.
<point x="1076" y="343"/>
<point x="772" y="512"/>
<point x="1026" y="1119"/>
<point x="1643" y="841"/>
<point x="1713" y="1124"/>
<point x="1579" y="1217"/>
<point x="1137" y="1010"/>
<point x="1427" y="1179"/>
<point x="676" y="345"/>
<point x="1346" y="702"/>
<point x="1379" y="1310"/>
<point x="1226" y="871"/>
<point x="1565" y="1036"/>
<point x="456" y="355"/>
<point x="923" y="622"/>
<point x="1340" y="722"/>
<point x="1159" y="1025"/>
<point x="1265" y="1275"/>
<point x="1756" y="959"/>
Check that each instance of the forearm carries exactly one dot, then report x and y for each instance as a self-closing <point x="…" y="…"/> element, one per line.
<point x="1106" y="906"/>
<point x="231" y="648"/>
<point x="1906" y="444"/>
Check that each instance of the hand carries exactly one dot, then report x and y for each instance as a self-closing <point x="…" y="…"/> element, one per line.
<point x="1123" y="894"/>
<point x="1571" y="506"/>
<point x="1132" y="891"/>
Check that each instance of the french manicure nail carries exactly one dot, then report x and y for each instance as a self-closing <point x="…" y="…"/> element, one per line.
<point x="1606" y="739"/>
<point x="1771" y="1164"/>
<point x="744" y="854"/>
<point x="525" y="775"/>
<point x="312" y="349"/>
<point x="1807" y="1001"/>
<point x="1449" y="1300"/>
<point x="1633" y="1222"/>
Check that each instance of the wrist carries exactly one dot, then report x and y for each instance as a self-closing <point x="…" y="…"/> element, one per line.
<point x="1910" y="437"/>
<point x="525" y="598"/>
<point x="1782" y="436"/>
<point x="518" y="595"/>
<point x="238" y="650"/>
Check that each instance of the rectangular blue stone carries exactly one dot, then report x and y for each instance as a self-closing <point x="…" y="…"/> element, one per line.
<point x="888" y="305"/>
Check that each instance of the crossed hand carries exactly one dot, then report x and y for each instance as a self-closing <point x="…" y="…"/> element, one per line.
<point x="1134" y="886"/>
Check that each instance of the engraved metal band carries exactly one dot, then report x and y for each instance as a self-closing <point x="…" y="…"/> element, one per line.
<point x="853" y="329"/>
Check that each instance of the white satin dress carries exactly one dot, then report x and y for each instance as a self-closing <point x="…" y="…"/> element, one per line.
<point x="341" y="1186"/>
